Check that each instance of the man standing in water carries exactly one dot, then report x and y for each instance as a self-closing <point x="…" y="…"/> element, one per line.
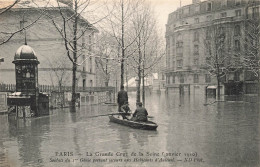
<point x="122" y="98"/>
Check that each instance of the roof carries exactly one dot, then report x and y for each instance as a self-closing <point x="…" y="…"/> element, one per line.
<point x="46" y="4"/>
<point x="31" y="3"/>
<point x="25" y="52"/>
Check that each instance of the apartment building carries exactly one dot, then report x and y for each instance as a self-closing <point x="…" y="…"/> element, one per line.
<point x="190" y="47"/>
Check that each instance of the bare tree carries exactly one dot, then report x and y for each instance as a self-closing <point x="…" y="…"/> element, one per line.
<point x="119" y="21"/>
<point x="219" y="59"/>
<point x="107" y="56"/>
<point x="147" y="44"/>
<point x="59" y="73"/>
<point x="73" y="29"/>
<point x="251" y="54"/>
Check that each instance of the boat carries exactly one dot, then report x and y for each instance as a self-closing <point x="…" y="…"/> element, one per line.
<point x="148" y="125"/>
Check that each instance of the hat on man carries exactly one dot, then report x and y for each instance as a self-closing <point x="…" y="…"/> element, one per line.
<point x="140" y="104"/>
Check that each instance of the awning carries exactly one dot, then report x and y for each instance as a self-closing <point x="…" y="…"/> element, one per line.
<point x="212" y="87"/>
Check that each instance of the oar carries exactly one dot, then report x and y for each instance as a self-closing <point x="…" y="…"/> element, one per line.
<point x="113" y="114"/>
<point x="106" y="115"/>
<point x="210" y="103"/>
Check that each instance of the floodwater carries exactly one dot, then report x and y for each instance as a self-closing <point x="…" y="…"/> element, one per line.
<point x="190" y="134"/>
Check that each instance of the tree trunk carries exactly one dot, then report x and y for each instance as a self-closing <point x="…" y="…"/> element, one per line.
<point x="218" y="88"/>
<point x="138" y="93"/>
<point x="74" y="67"/>
<point x="143" y="77"/>
<point x="122" y="46"/>
<point x="258" y="81"/>
<point x="143" y="97"/>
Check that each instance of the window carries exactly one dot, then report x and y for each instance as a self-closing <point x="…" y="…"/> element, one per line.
<point x="208" y="60"/>
<point x="223" y="3"/>
<point x="196" y="78"/>
<point x="209" y="6"/>
<point x="196" y="62"/>
<point x="179" y="51"/>
<point x="179" y="37"/>
<point x="224" y="14"/>
<point x="208" y="33"/>
<point x="90" y="65"/>
<point x="207" y="78"/>
<point x="91" y="83"/>
<point x="209" y="17"/>
<point x="238" y="12"/>
<point x="84" y="83"/>
<point x="90" y="42"/>
<point x="221" y="30"/>
<point x="237" y="2"/>
<point x="173" y="79"/>
<point x="196" y="36"/>
<point x="197" y="20"/>
<point x="255" y="11"/>
<point x="236" y="76"/>
<point x="179" y="44"/>
<point x="179" y="63"/>
<point x="173" y="64"/>
<point x="237" y="30"/>
<point x="196" y="49"/>
<point x="181" y="79"/>
<point x="237" y="45"/>
<point x="197" y="8"/>
<point x="168" y="79"/>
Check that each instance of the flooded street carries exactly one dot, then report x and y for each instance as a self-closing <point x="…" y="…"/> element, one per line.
<point x="223" y="134"/>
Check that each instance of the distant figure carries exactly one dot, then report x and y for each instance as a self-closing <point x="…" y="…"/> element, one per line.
<point x="140" y="113"/>
<point x="125" y="110"/>
<point x="122" y="97"/>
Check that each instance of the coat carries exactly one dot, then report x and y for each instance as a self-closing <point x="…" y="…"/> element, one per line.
<point x="140" y="114"/>
<point x="122" y="97"/>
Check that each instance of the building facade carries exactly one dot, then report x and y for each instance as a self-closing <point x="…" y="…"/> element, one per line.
<point x="55" y="68"/>
<point x="191" y="47"/>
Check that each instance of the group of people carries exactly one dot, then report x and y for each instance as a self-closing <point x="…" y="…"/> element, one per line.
<point x="140" y="113"/>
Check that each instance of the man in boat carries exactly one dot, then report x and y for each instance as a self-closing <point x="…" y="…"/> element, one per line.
<point x="125" y="110"/>
<point x="122" y="97"/>
<point x="140" y="113"/>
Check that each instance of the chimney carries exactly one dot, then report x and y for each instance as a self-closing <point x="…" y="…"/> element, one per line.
<point x="195" y="1"/>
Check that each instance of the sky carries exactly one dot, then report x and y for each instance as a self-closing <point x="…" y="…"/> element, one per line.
<point x="164" y="7"/>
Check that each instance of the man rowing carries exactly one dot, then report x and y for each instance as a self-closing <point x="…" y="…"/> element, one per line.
<point x="140" y="114"/>
<point x="125" y="110"/>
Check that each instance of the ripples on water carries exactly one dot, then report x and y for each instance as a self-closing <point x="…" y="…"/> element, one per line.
<point x="224" y="134"/>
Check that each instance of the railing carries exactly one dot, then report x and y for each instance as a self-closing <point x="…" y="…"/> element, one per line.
<point x="49" y="88"/>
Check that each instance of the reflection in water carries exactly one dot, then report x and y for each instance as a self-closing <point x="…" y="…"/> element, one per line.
<point x="223" y="134"/>
<point x="29" y="134"/>
<point x="235" y="140"/>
